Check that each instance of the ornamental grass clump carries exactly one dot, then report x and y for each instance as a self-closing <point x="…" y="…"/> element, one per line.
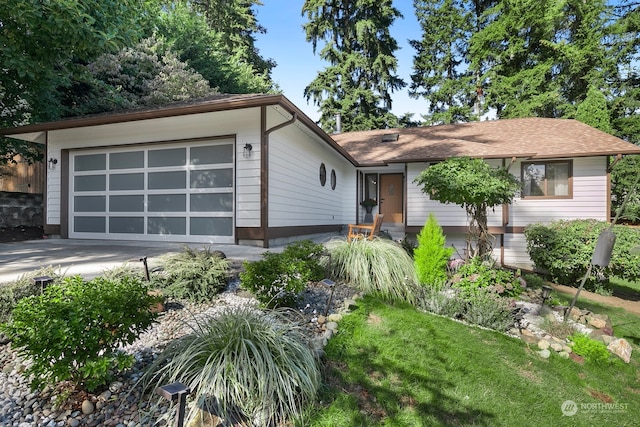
<point x="378" y="267"/>
<point x="242" y="365"/>
<point x="194" y="275"/>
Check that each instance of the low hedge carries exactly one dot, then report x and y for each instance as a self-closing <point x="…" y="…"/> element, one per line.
<point x="564" y="249"/>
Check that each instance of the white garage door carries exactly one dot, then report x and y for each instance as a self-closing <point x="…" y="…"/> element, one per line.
<point x="176" y="192"/>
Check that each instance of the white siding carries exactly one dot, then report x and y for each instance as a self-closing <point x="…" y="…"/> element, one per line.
<point x="589" y="201"/>
<point x="589" y="197"/>
<point x="419" y="205"/>
<point x="296" y="197"/>
<point x="244" y="124"/>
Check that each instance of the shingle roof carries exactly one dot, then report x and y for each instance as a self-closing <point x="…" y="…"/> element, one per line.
<point x="530" y="138"/>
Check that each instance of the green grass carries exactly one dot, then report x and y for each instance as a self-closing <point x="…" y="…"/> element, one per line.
<point x="625" y="288"/>
<point x="625" y="324"/>
<point x="394" y="366"/>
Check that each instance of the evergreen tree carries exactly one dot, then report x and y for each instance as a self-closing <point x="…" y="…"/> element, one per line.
<point x="441" y="67"/>
<point x="236" y="23"/>
<point x="540" y="56"/>
<point x="361" y="76"/>
<point x="593" y="110"/>
<point x="432" y="256"/>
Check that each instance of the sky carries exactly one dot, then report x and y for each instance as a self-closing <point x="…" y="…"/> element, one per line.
<point x="297" y="66"/>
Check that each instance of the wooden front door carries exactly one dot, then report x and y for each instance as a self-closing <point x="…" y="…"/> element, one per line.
<point x="392" y="197"/>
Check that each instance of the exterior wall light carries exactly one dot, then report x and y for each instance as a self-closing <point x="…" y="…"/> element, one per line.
<point x="247" y="151"/>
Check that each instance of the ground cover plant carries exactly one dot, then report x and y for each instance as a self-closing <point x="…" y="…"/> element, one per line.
<point x="244" y="365"/>
<point x="378" y="267"/>
<point x="194" y="275"/>
<point x="278" y="278"/>
<point x="73" y="330"/>
<point x="392" y="365"/>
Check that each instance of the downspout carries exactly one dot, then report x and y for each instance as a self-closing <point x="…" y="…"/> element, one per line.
<point x="264" y="165"/>
<point x="610" y="166"/>
<point x="505" y="214"/>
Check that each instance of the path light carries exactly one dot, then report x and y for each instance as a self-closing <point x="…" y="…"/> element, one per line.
<point x="546" y="293"/>
<point x="143" y="260"/>
<point x="42" y="282"/>
<point x="173" y="392"/>
<point x="332" y="285"/>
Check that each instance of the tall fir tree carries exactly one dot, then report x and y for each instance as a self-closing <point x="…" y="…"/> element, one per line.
<point x="442" y="74"/>
<point x="360" y="51"/>
<point x="539" y="57"/>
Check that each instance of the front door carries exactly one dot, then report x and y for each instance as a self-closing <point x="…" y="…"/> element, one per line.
<point x="391" y="197"/>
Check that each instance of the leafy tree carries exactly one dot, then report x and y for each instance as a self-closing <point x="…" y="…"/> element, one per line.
<point x="196" y="43"/>
<point x="441" y="73"/>
<point x="146" y="75"/>
<point x="359" y="48"/>
<point x="431" y="256"/>
<point x="474" y="185"/>
<point x="41" y="45"/>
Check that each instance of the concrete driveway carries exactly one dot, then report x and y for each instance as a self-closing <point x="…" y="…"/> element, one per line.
<point x="90" y="258"/>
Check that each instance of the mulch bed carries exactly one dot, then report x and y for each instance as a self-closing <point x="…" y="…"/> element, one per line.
<point x="20" y="234"/>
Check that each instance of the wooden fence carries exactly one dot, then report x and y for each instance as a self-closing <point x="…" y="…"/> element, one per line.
<point x="23" y="177"/>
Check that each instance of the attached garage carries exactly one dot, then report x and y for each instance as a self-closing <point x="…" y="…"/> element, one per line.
<point x="179" y="192"/>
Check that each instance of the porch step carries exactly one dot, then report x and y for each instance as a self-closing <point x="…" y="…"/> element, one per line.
<point x="396" y="231"/>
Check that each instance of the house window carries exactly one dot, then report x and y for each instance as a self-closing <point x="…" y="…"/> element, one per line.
<point x="334" y="179"/>
<point x="547" y="179"/>
<point x="323" y="174"/>
<point x="371" y="186"/>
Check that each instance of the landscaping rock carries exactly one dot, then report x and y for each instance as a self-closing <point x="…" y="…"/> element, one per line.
<point x="543" y="344"/>
<point x="563" y="354"/>
<point x="596" y="322"/>
<point x="621" y="348"/>
<point x="557" y="347"/>
<point x="87" y="407"/>
<point x="334" y="317"/>
<point x="545" y="354"/>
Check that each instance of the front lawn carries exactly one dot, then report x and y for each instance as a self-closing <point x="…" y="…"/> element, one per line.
<point x="391" y="365"/>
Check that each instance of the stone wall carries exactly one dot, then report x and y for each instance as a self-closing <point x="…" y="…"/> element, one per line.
<point x="21" y="209"/>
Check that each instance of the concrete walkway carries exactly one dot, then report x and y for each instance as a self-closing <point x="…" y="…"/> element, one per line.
<point x="90" y="258"/>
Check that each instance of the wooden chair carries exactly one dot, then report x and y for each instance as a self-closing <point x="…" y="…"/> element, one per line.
<point x="365" y="231"/>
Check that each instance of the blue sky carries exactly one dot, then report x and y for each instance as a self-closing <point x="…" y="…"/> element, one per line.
<point x="298" y="66"/>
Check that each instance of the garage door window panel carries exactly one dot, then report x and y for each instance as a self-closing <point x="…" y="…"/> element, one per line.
<point x="90" y="162"/>
<point x="126" y="225"/>
<point x="219" y="202"/>
<point x="126" y="160"/>
<point x="211" y="226"/>
<point x="212" y="178"/>
<point x="89" y="224"/>
<point x="211" y="154"/>
<point x="126" y="203"/>
<point x="167" y="180"/>
<point x="167" y="157"/>
<point x="89" y="203"/>
<point x="126" y="182"/>
<point x="90" y="183"/>
<point x="167" y="203"/>
<point x="164" y="225"/>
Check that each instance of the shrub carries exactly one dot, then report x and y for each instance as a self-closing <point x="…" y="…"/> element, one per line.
<point x="257" y="366"/>
<point x="278" y="278"/>
<point x="488" y="310"/>
<point x="480" y="275"/>
<point x="378" y="267"/>
<point x="11" y="293"/>
<point x="442" y="301"/>
<point x="73" y="330"/>
<point x="593" y="351"/>
<point x="564" y="250"/>
<point x="432" y="256"/>
<point x="193" y="275"/>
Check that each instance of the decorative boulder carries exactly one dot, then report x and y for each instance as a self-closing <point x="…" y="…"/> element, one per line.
<point x="621" y="348"/>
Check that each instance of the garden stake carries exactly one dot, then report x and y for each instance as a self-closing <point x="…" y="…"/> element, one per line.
<point x="143" y="260"/>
